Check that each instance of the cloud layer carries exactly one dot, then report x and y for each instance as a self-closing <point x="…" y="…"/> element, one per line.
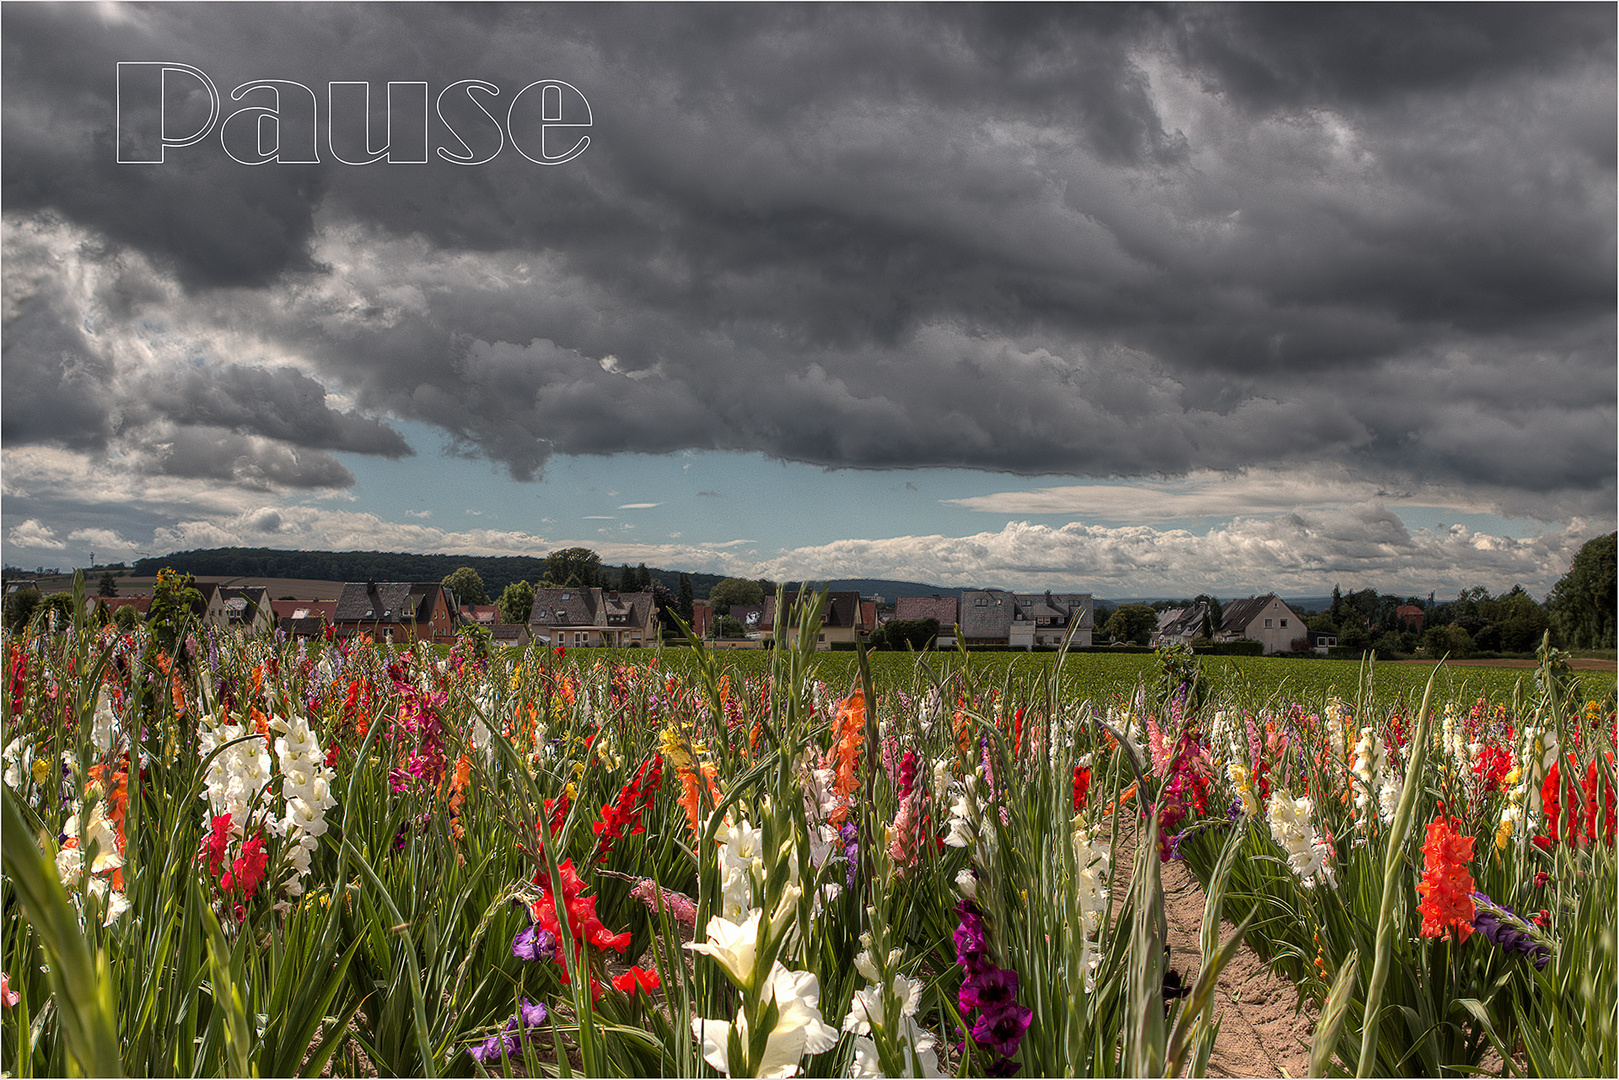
<point x="1369" y="249"/>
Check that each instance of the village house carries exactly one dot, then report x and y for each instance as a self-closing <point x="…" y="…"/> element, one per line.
<point x="986" y="616"/>
<point x="1264" y="619"/>
<point x="702" y="618"/>
<point x="248" y="610"/>
<point x="846" y="615"/>
<point x="942" y="608"/>
<point x="748" y="615"/>
<point x="210" y="610"/>
<point x="576" y="617"/>
<point x="484" y="615"/>
<point x="396" y="611"/>
<point x="1042" y="620"/>
<point x="304" y="618"/>
<point x="510" y="635"/>
<point x="141" y="604"/>
<point x="1180" y="626"/>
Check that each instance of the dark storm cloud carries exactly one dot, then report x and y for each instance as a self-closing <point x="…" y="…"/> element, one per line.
<point x="1114" y="240"/>
<point x="280" y="403"/>
<point x="202" y="453"/>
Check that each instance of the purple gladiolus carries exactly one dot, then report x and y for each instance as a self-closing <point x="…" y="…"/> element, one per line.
<point x="988" y="989"/>
<point x="532" y="1014"/>
<point x="1001" y="1029"/>
<point x="1507" y="930"/>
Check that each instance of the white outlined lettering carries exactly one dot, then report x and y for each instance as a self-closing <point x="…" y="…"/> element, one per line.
<point x="558" y="101"/>
<point x="160" y="105"/>
<point x="140" y="140"/>
<point x="265" y="128"/>
<point x="471" y="158"/>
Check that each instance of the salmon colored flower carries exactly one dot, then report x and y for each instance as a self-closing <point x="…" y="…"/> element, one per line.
<point x="848" y="729"/>
<point x="1446" y="886"/>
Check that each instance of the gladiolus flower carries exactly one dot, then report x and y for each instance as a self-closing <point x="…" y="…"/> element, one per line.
<point x="732" y="945"/>
<point x="1446" y="886"/>
<point x="647" y="981"/>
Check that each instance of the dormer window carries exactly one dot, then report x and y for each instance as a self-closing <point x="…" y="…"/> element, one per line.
<point x="567" y="596"/>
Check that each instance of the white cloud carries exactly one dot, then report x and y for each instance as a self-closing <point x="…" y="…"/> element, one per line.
<point x="34" y="534"/>
<point x="1358" y="547"/>
<point x="1207" y="493"/>
<point x="639" y="506"/>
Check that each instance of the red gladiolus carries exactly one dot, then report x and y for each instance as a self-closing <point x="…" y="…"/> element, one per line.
<point x="648" y="981"/>
<point x="1446" y="886"/>
<point x="213" y="848"/>
<point x="249" y="867"/>
<point x="582" y="920"/>
<point x="1549" y="789"/>
<point x="633" y="801"/>
<point x="1082" y="786"/>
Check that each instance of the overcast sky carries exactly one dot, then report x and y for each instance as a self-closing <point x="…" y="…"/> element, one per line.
<point x="1139" y="300"/>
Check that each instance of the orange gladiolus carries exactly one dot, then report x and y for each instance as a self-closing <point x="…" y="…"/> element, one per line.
<point x="1446" y="886"/>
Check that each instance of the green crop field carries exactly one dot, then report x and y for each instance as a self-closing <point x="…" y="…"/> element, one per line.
<point x="1105" y="676"/>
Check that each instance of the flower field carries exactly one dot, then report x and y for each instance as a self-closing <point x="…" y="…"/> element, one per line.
<point x="284" y="858"/>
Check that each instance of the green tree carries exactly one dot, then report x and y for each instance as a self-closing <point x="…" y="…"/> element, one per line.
<point x="684" y="600"/>
<point x="728" y="627"/>
<point x="574" y="567"/>
<point x="643" y="579"/>
<point x="57" y="607"/>
<point x="1212" y="617"/>
<point x="174" y="602"/>
<point x="627" y="580"/>
<point x="20" y="607"/>
<point x="729" y="592"/>
<point x="1352" y="634"/>
<point x="126" y="618"/>
<point x="1581" y="604"/>
<point x="915" y="634"/>
<point x="467" y="586"/>
<point x="1452" y="639"/>
<point x="516" y="602"/>
<point x="1132" y="623"/>
<point x="109" y="585"/>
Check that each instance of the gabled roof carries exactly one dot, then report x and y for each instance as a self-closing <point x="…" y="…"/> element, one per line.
<point x="564" y="607"/>
<point x="626" y="608"/>
<point x="986" y="613"/>
<point x="1179" y="622"/>
<point x="842" y="609"/>
<point x="386" y="602"/>
<point x="304" y="609"/>
<point x="915" y="608"/>
<point x="242" y="601"/>
<point x="1239" y="614"/>
<point x="1032" y="607"/>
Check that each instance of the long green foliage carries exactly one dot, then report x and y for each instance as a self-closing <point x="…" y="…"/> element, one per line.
<point x="470" y="792"/>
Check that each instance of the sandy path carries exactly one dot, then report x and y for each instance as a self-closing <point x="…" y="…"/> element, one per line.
<point x="1261" y="1033"/>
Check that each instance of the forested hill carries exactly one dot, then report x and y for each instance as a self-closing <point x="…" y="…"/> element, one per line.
<point x="497" y="571"/>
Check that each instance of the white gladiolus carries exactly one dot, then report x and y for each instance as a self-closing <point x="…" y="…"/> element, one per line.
<point x="1293" y="830"/>
<point x="1094" y="862"/>
<point x="1370" y="761"/>
<point x="964" y="814"/>
<point x="799" y="1029"/>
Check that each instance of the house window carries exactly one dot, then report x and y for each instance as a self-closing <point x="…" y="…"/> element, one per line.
<point x="578" y="638"/>
<point x="1284" y="624"/>
<point x="980" y="602"/>
<point x="1268" y="624"/>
